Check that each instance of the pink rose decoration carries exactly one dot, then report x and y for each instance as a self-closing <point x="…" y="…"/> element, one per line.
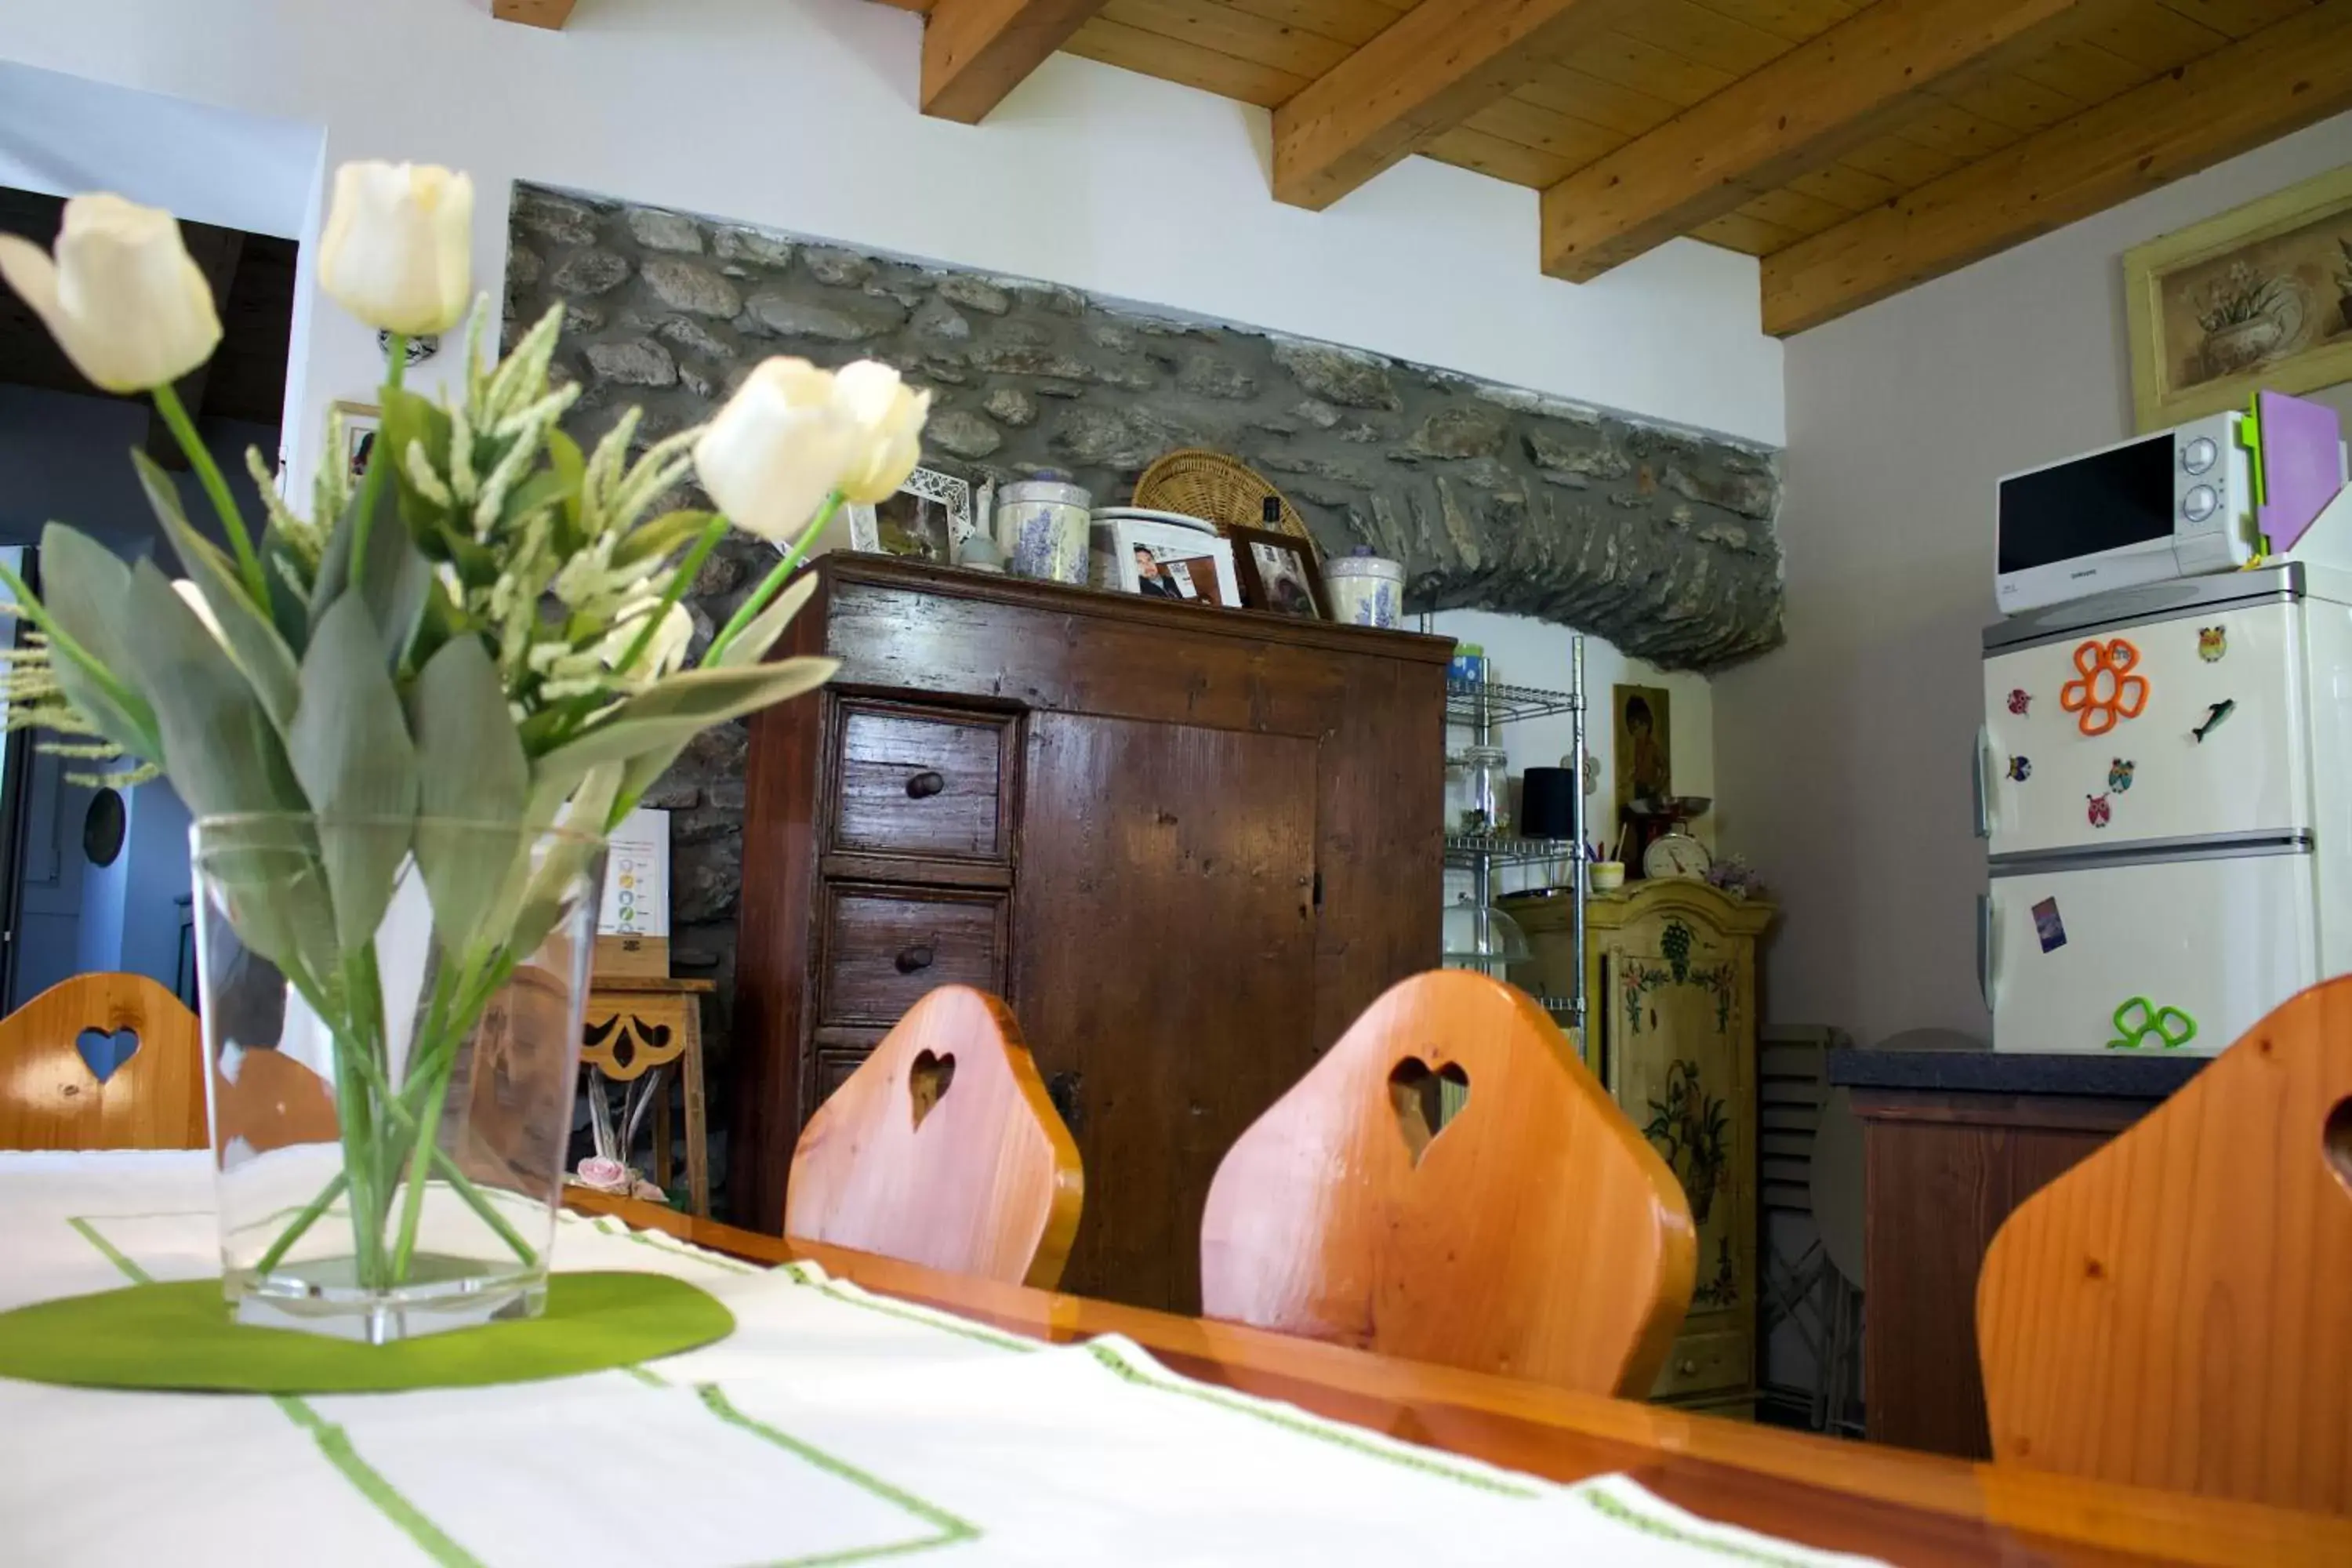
<point x="604" y="1176"/>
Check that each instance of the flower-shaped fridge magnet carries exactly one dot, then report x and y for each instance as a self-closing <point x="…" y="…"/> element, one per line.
<point x="2108" y="692"/>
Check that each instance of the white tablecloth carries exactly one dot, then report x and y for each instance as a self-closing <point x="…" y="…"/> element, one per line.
<point x="833" y="1426"/>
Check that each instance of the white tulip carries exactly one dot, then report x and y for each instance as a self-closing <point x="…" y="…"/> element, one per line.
<point x="889" y="417"/>
<point x="195" y="597"/>
<point x="121" y="296"/>
<point x="777" y="448"/>
<point x="397" y="250"/>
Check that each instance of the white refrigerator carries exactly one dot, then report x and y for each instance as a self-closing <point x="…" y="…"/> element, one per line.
<point x="2161" y="778"/>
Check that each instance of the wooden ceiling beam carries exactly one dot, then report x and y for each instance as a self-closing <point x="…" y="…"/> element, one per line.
<point x="1433" y="69"/>
<point x="976" y="51"/>
<point x="1799" y="113"/>
<point x="549" y="14"/>
<point x="2275" y="81"/>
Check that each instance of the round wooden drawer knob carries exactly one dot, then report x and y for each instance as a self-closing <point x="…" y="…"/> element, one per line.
<point x="925" y="785"/>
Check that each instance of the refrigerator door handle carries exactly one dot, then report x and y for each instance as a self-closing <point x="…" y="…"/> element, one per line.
<point x="1986" y="978"/>
<point x="1977" y="782"/>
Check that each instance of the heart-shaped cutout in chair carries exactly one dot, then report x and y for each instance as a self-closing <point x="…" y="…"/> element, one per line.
<point x="1417" y="1095"/>
<point x="928" y="1081"/>
<point x="104" y="1054"/>
<point x="2335" y="1140"/>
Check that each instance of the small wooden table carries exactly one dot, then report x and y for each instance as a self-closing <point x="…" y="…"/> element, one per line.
<point x="1953" y="1141"/>
<point x="1905" y="1508"/>
<point x="640" y="1024"/>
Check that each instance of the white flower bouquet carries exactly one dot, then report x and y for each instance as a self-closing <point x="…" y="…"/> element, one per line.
<point x="435" y="693"/>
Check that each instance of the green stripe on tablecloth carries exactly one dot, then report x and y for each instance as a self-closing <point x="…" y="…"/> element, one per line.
<point x="138" y="1275"/>
<point x="336" y="1445"/>
<point x="1308" y="1426"/>
<point x="332" y="1442"/>
<point x="1611" y="1506"/>
<point x="952" y="1530"/>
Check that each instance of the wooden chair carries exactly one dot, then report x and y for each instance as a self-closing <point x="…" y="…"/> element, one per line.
<point x="2176" y="1312"/>
<point x="50" y="1099"/>
<point x="1537" y="1235"/>
<point x="942" y="1149"/>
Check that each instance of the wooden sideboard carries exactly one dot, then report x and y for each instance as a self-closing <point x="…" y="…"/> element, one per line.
<point x="1670" y="973"/>
<point x="1187" y="844"/>
<point x="1952" y="1142"/>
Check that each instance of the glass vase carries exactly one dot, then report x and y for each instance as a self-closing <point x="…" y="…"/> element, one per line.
<point x="392" y="1013"/>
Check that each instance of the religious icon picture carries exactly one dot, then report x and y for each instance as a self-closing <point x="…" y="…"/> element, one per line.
<point x="1643" y="753"/>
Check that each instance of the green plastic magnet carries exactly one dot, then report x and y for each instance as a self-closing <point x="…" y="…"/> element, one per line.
<point x="2138" y="1018"/>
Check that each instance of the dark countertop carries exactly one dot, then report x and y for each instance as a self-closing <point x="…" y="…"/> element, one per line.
<point x="2113" y="1075"/>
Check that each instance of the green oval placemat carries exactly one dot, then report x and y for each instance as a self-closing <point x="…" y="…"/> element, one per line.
<point x="179" y="1336"/>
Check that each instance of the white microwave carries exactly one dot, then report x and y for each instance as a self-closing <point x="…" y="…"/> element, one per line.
<point x="2177" y="503"/>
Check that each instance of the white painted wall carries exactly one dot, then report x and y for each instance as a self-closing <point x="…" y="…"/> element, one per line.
<point x="801" y="114"/>
<point x="1843" y="756"/>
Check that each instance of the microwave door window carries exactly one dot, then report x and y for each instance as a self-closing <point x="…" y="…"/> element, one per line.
<point x="2088" y="506"/>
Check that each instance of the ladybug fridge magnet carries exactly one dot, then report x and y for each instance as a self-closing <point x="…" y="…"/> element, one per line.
<point x="2019" y="701"/>
<point x="2100" y="812"/>
<point x="2119" y="774"/>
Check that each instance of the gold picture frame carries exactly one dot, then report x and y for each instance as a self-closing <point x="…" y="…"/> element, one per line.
<point x="2260" y="297"/>
<point x="360" y="422"/>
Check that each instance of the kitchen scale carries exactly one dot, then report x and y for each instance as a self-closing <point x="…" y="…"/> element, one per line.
<point x="1658" y="841"/>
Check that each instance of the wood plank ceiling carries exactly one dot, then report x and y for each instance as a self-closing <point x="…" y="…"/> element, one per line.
<point x="1857" y="146"/>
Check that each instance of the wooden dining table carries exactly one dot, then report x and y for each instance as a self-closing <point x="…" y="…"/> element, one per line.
<point x="1889" y="1503"/>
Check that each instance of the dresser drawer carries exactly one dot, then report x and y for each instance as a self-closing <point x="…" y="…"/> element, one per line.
<point x="1700" y="1362"/>
<point x="921" y="781"/>
<point x="886" y="947"/>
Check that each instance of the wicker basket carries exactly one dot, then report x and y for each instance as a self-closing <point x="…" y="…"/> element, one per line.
<point x="1220" y="489"/>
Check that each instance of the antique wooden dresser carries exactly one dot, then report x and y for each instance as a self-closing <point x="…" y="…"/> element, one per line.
<point x="1187" y="844"/>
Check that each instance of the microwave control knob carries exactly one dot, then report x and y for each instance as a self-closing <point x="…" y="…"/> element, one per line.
<point x="2198" y="455"/>
<point x="2199" y="503"/>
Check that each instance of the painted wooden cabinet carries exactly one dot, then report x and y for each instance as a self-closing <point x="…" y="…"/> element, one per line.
<point x="1670" y="967"/>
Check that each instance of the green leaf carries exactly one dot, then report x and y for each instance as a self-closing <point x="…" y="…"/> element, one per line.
<point x="565" y="455"/>
<point x="408" y="418"/>
<point x="290" y="611"/>
<point x="253" y="642"/>
<point x="752" y="643"/>
<point x="659" y="536"/>
<point x="470" y="768"/>
<point x="84" y="586"/>
<point x="355" y="760"/>
<point x="567" y="858"/>
<point x="224" y="757"/>
<point x="393" y="582"/>
<point x="222" y="751"/>
<point x="675" y="710"/>
<point x="544" y="487"/>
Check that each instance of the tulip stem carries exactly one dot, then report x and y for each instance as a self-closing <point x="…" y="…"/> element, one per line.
<point x="771" y="584"/>
<point x="395" y="351"/>
<point x="679" y="581"/>
<point x="199" y="457"/>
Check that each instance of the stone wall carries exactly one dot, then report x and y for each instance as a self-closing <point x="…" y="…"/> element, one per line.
<point x="1659" y="541"/>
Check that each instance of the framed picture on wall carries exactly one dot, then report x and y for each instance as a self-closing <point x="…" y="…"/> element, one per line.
<point x="360" y="422"/>
<point x="1641" y="724"/>
<point x="2259" y="298"/>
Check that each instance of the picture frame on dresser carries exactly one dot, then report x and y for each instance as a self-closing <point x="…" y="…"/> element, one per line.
<point x="930" y="515"/>
<point x="1278" y="573"/>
